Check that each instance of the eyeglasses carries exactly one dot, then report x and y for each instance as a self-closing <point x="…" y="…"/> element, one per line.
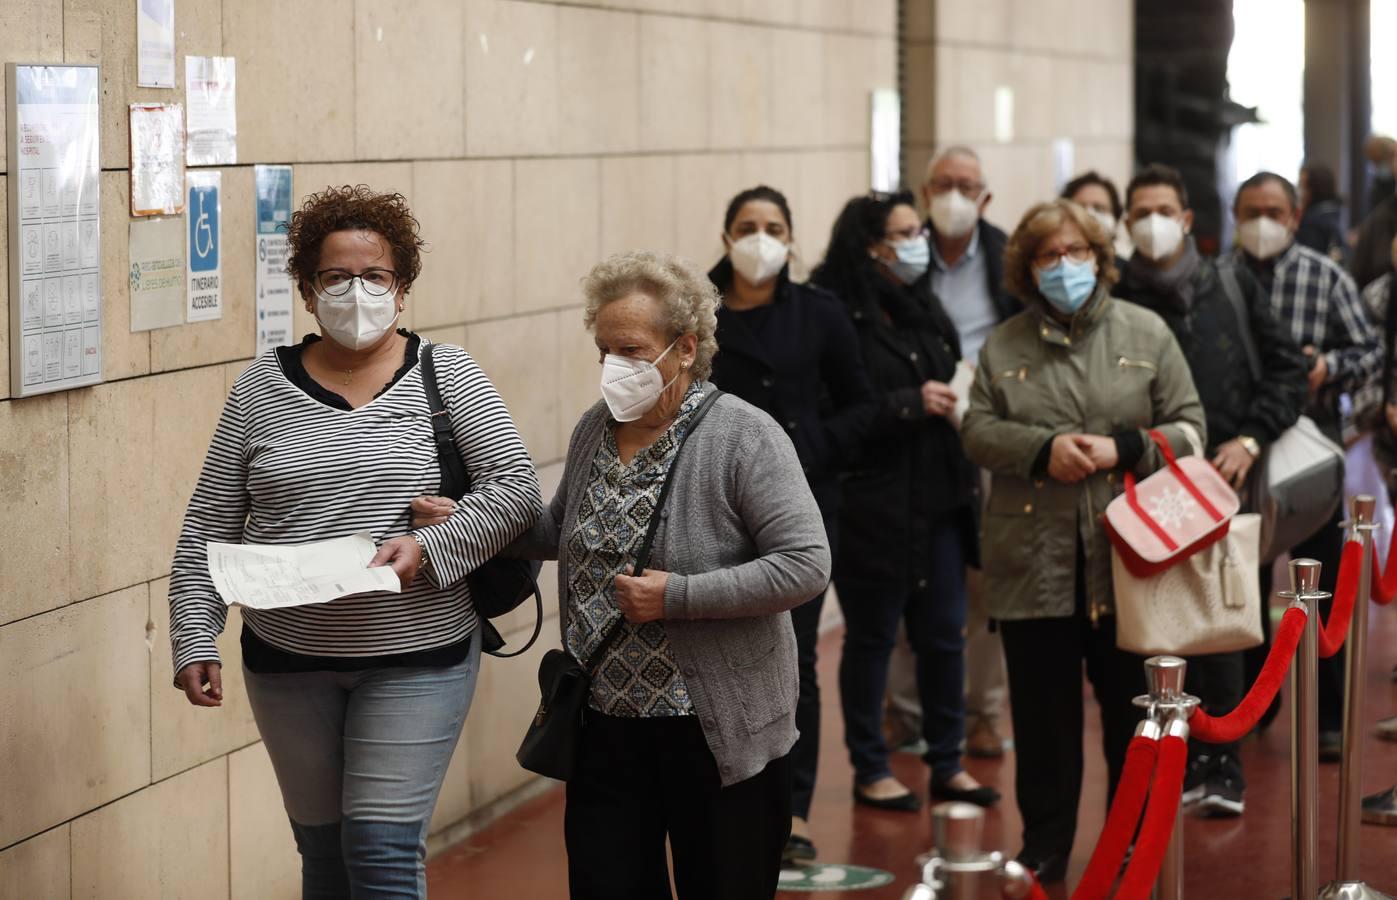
<point x="969" y="189"/>
<point x="337" y="282"/>
<point x="1047" y="259"/>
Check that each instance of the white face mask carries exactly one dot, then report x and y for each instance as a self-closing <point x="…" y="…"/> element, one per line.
<point x="954" y="214"/>
<point x="632" y="387"/>
<point x="1263" y="238"/>
<point x="758" y="256"/>
<point x="1107" y="221"/>
<point x="356" y="319"/>
<point x="1156" y="236"/>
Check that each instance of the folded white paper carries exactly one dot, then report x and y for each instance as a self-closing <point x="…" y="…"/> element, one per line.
<point x="960" y="383"/>
<point x="273" y="576"/>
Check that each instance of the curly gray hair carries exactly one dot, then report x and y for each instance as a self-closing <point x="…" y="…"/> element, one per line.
<point x="689" y="299"/>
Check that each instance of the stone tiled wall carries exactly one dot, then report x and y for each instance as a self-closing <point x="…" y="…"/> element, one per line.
<point x="1067" y="66"/>
<point x="531" y="138"/>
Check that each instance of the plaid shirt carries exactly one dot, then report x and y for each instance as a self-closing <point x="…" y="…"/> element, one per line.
<point x="1367" y="399"/>
<point x="1320" y="301"/>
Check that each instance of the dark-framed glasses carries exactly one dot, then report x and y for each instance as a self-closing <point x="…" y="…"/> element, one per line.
<point x="971" y="190"/>
<point x="337" y="282"/>
<point x="1078" y="253"/>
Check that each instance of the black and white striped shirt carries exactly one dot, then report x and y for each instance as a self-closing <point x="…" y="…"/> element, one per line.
<point x="285" y="468"/>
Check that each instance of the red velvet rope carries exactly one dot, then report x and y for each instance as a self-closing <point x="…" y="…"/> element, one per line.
<point x="1385" y="585"/>
<point x="1119" y="829"/>
<point x="1158" y="826"/>
<point x="1333" y="633"/>
<point x="1236" y="724"/>
<point x="1036" y="892"/>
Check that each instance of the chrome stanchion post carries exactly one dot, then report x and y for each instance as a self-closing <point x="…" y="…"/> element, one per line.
<point x="1170" y="707"/>
<point x="1304" y="730"/>
<point x="1347" y="882"/>
<point x="953" y="871"/>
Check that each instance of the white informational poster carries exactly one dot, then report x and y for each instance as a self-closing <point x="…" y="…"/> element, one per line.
<point x="157" y="159"/>
<point x="157" y="272"/>
<point x="155" y="43"/>
<point x="275" y="292"/>
<point x="210" y="88"/>
<point x="55" y="228"/>
<point x="205" y="286"/>
<point x="274" y="576"/>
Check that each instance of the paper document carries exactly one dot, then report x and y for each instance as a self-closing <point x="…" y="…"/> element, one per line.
<point x="961" y="383"/>
<point x="269" y="576"/>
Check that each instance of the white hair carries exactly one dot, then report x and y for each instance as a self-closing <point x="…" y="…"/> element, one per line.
<point x="954" y="150"/>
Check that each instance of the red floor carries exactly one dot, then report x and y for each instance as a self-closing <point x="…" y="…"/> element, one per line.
<point x="521" y="857"/>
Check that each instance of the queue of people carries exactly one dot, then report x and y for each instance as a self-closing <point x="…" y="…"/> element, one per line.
<point x="769" y="436"/>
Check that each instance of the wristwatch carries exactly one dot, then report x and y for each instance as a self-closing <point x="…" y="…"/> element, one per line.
<point x="1250" y="444"/>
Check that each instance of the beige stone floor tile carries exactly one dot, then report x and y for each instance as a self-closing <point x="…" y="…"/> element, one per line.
<point x="261" y="848"/>
<point x="38" y="867"/>
<point x="34" y="458"/>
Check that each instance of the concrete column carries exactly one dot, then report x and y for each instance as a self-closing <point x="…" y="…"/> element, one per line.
<point x="1336" y="88"/>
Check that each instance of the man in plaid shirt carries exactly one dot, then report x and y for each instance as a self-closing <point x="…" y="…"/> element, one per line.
<point x="1328" y="320"/>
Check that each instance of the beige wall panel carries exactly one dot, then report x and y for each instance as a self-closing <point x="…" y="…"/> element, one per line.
<point x="409" y="79"/>
<point x="797" y="88"/>
<point x="182" y="735"/>
<point x="261" y="850"/>
<point x="110" y="454"/>
<point x="89" y="661"/>
<point x="124" y="353"/>
<point x="874" y="17"/>
<point x="855" y="66"/>
<point x="34" y="458"/>
<point x="979" y="73"/>
<point x="703" y="186"/>
<point x="467" y="213"/>
<point x="560" y="201"/>
<point x="37" y="868"/>
<point x="384" y="177"/>
<point x="1113" y="158"/>
<point x="511" y="78"/>
<point x="231" y="371"/>
<point x="770" y="12"/>
<point x="830" y="15"/>
<point x="778" y="170"/>
<point x="4" y="309"/>
<point x="516" y="354"/>
<point x="167" y="842"/>
<point x="1020" y="175"/>
<point x="829" y="181"/>
<point x="234" y="335"/>
<point x="740" y="78"/>
<point x="598" y="81"/>
<point x="31" y="31"/>
<point x="1035" y="79"/>
<point x="674" y="85"/>
<point x="305" y="101"/>
<point x="638" y="211"/>
<point x="579" y="375"/>
<point x="451" y="334"/>
<point x="974" y="21"/>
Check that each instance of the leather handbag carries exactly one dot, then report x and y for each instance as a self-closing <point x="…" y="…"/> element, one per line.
<point x="550" y="745"/>
<point x="1208" y="603"/>
<point x="500" y="584"/>
<point x="1180" y="510"/>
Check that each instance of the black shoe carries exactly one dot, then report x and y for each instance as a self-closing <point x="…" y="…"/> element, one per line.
<point x="798" y="850"/>
<point x="1331" y="746"/>
<point x="1195" y="778"/>
<point x="908" y="802"/>
<point x="1047" y="869"/>
<point x="1381" y="808"/>
<point x="1222" y="798"/>
<point x="984" y="795"/>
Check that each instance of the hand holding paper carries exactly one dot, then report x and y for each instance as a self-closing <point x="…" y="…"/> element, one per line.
<point x="273" y="576"/>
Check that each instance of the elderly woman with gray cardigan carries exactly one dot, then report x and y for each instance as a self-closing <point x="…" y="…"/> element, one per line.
<point x="692" y="713"/>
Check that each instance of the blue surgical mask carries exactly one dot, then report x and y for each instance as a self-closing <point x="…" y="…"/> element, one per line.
<point x="913" y="257"/>
<point x="1068" y="284"/>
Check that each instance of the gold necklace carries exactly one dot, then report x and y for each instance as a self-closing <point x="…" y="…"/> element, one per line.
<point x="348" y="375"/>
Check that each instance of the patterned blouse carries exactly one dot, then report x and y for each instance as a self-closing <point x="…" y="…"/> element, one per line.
<point x="639" y="677"/>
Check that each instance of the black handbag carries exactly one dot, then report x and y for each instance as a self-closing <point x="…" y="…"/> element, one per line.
<point x="550" y="745"/>
<point x="501" y="583"/>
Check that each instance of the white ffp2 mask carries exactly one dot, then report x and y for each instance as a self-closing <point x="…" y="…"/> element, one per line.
<point x="1263" y="237"/>
<point x="954" y="214"/>
<point x="758" y="256"/>
<point x="632" y="387"/>
<point x="1157" y="236"/>
<point x="356" y="319"/>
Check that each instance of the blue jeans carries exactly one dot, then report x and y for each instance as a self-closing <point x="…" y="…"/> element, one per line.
<point x="360" y="758"/>
<point x="935" y="615"/>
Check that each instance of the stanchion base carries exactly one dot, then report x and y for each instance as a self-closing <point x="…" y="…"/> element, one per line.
<point x="1350" y="890"/>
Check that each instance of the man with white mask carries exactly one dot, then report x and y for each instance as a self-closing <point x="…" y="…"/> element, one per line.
<point x="1214" y="311"/>
<point x="1318" y="301"/>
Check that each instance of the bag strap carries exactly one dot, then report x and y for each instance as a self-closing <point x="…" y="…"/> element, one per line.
<point x="642" y="556"/>
<point x="1133" y="501"/>
<point x="455" y="480"/>
<point x="1233" y="291"/>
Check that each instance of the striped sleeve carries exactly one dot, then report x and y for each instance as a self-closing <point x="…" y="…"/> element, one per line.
<point x="505" y="499"/>
<point x="1355" y="355"/>
<point x="216" y="512"/>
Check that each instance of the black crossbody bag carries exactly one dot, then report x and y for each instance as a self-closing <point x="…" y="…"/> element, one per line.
<point x="501" y="584"/>
<point x="550" y="745"/>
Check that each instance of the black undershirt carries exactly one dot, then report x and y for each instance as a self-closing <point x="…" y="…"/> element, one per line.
<point x="263" y="658"/>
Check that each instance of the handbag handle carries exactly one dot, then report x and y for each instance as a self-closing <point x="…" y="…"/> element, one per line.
<point x="1133" y="501"/>
<point x="642" y="556"/>
<point x="455" y="480"/>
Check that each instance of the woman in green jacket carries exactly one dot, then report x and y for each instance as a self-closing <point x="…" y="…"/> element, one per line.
<point x="1064" y="397"/>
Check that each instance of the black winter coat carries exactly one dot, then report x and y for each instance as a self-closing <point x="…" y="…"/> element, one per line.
<point x="1372" y="255"/>
<point x="910" y="473"/>
<point x="798" y="361"/>
<point x="1208" y="333"/>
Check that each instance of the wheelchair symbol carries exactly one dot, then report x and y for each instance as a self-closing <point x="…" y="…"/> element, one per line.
<point x="203" y="233"/>
<point x="203" y="230"/>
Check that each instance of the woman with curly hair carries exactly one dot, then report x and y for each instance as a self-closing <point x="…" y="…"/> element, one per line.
<point x="360" y="700"/>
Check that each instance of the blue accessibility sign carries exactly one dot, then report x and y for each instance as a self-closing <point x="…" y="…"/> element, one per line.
<point x="202" y="213"/>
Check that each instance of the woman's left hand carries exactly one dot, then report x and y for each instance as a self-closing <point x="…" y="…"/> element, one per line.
<point x="642" y="599"/>
<point x="403" y="554"/>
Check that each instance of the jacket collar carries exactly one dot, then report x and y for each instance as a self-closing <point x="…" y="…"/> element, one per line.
<point x="734" y="335"/>
<point x="1053" y="331"/>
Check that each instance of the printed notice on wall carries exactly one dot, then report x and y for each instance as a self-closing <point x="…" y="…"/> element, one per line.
<point x="55" y="228"/>
<point x="205" y="288"/>
<point x="155" y="43"/>
<point x="210" y="87"/>
<point x="157" y="159"/>
<point x="157" y="272"/>
<point x="275" y="295"/>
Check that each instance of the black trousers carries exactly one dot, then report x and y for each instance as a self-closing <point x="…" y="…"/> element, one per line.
<point x="1217" y="680"/>
<point x="1045" y="659"/>
<point x="640" y="780"/>
<point x="805" y="755"/>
